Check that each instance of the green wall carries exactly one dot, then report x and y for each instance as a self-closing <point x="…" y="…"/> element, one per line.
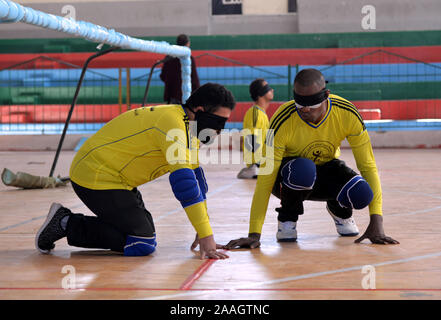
<point x="225" y="42"/>
<point x="109" y="94"/>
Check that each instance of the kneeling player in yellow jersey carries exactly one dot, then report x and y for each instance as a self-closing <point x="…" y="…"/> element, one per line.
<point x="303" y="146"/>
<point x="255" y="125"/>
<point x="134" y="148"/>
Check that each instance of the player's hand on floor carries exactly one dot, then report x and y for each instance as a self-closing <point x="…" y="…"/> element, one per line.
<point x="375" y="232"/>
<point x="195" y="243"/>
<point x="252" y="241"/>
<point x="208" y="248"/>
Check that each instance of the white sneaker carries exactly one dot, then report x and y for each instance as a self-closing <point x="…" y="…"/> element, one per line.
<point x="345" y="227"/>
<point x="287" y="231"/>
<point x="248" y="172"/>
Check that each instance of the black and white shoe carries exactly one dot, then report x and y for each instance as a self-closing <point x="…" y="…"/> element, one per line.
<point x="248" y="172"/>
<point x="286" y="231"/>
<point x="51" y="230"/>
<point x="345" y="227"/>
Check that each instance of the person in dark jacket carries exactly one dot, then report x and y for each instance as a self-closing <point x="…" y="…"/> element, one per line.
<point x="171" y="75"/>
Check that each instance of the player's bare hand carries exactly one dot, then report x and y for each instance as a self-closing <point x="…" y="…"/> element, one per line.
<point x="375" y="232"/>
<point x="252" y="242"/>
<point x="208" y="248"/>
<point x="195" y="243"/>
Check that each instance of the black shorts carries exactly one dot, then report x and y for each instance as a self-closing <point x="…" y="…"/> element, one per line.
<point x="119" y="213"/>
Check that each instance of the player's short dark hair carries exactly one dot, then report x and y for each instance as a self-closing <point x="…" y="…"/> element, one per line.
<point x="211" y="96"/>
<point x="182" y="40"/>
<point x="255" y="88"/>
<point x="309" y="77"/>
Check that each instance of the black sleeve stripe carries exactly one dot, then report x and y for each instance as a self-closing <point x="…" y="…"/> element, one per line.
<point x="281" y="115"/>
<point x="187" y="130"/>
<point x="272" y="132"/>
<point x="286" y="117"/>
<point x="347" y="104"/>
<point x="353" y="111"/>
<point x="254" y="116"/>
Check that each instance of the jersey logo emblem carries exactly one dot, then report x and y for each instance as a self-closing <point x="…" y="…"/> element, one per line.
<point x="319" y="151"/>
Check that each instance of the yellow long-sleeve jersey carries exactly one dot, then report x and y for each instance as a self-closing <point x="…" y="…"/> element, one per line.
<point x="255" y="122"/>
<point x="139" y="146"/>
<point x="290" y="136"/>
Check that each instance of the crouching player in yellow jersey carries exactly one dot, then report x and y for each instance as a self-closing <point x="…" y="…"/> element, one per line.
<point x="255" y="125"/>
<point x="303" y="143"/>
<point x="134" y="148"/>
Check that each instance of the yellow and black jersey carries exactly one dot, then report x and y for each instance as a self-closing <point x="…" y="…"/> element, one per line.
<point x="256" y="124"/>
<point x="134" y="148"/>
<point x="139" y="146"/>
<point x="290" y="136"/>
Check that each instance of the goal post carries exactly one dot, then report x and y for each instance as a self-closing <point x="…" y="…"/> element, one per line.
<point x="12" y="12"/>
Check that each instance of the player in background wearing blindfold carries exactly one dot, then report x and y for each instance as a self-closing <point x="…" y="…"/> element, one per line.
<point x="255" y="125"/>
<point x="134" y="148"/>
<point x="305" y="136"/>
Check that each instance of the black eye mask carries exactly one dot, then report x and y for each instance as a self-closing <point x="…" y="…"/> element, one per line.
<point x="261" y="92"/>
<point x="206" y="120"/>
<point x="314" y="99"/>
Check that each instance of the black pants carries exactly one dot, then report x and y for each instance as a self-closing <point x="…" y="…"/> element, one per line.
<point x="331" y="177"/>
<point x="119" y="213"/>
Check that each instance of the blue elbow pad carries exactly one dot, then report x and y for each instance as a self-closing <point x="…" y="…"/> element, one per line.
<point x="185" y="187"/>
<point x="139" y="246"/>
<point x="200" y="176"/>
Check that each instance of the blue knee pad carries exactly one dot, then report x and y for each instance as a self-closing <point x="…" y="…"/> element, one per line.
<point x="356" y="194"/>
<point x="299" y="174"/>
<point x="139" y="246"/>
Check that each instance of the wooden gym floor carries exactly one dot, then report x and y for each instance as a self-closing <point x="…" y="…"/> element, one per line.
<point x="321" y="265"/>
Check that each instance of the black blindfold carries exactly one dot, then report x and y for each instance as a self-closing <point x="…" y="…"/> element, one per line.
<point x="312" y="100"/>
<point x="261" y="92"/>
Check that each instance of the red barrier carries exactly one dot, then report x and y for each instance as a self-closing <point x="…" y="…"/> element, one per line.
<point x="265" y="57"/>
<point x="404" y="109"/>
<point x="242" y="107"/>
<point x="370" y="110"/>
<point x="58" y="113"/>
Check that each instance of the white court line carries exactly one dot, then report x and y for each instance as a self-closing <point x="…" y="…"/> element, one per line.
<point x="209" y="195"/>
<point x="34" y="219"/>
<point x="324" y="273"/>
<point x="78" y="205"/>
<point x="386" y="215"/>
<point x="300" y="277"/>
<point x="431" y="195"/>
<point x="414" y="212"/>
